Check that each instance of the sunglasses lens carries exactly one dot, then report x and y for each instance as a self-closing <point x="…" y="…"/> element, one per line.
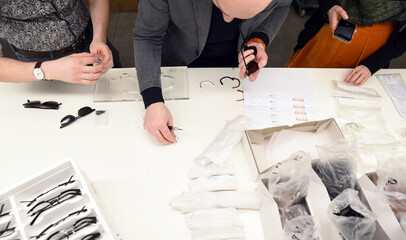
<point x="252" y="67"/>
<point x="32" y="103"/>
<point x="85" y="111"/>
<point x="67" y="120"/>
<point x="50" y="105"/>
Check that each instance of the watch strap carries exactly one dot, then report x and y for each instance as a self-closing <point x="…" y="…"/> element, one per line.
<point x="38" y="65"/>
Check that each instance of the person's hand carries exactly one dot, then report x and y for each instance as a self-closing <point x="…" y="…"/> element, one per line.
<point x="334" y="15"/>
<point x="359" y="75"/>
<point x="75" y="68"/>
<point x="156" y="122"/>
<point x="261" y="58"/>
<point x="104" y="54"/>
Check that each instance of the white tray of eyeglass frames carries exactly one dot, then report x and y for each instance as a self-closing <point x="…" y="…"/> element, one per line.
<point x="56" y="205"/>
<point x="121" y="84"/>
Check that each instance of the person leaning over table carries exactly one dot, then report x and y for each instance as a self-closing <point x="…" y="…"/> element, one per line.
<point x="198" y="33"/>
<point x="58" y="40"/>
<point x="380" y="36"/>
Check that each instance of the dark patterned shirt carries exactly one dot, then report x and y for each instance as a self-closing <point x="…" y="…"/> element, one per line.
<point x="42" y="25"/>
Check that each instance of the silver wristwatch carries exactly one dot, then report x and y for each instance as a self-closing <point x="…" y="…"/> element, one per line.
<point x="38" y="73"/>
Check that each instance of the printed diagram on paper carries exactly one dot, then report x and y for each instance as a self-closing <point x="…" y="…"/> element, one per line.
<point x="279" y="97"/>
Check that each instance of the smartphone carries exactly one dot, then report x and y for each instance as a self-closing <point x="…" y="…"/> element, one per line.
<point x="344" y="31"/>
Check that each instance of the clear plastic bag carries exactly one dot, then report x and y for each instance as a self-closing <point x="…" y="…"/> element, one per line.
<point x="392" y="181"/>
<point x="288" y="213"/>
<point x="358" y="110"/>
<point x="350" y="90"/>
<point x="289" y="179"/>
<point x="337" y="166"/>
<point x="402" y="220"/>
<point x="353" y="219"/>
<point x="301" y="228"/>
<point x="370" y="134"/>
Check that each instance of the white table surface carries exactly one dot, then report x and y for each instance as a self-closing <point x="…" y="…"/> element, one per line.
<point x="136" y="177"/>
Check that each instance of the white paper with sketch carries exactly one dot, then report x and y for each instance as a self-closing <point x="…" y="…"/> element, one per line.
<point x="279" y="97"/>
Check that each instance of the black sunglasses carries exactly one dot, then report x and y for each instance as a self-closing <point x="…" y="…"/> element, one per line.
<point x="44" y="105"/>
<point x="43" y="206"/>
<point x="65" y="121"/>
<point x="78" y="225"/>
<point x="252" y="66"/>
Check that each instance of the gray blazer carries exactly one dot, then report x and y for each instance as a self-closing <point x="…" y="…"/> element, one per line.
<point x="174" y="33"/>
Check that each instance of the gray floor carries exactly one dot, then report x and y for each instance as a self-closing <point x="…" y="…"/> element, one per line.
<point x="122" y="24"/>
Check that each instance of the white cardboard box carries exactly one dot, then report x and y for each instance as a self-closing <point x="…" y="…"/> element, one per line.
<point x="317" y="198"/>
<point x="46" y="190"/>
<point x="255" y="141"/>
<point x="317" y="201"/>
<point x="388" y="226"/>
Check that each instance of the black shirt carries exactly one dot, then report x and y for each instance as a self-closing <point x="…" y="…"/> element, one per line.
<point x="221" y="48"/>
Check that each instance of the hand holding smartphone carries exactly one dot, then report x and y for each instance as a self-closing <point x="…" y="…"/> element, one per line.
<point x="344" y="31"/>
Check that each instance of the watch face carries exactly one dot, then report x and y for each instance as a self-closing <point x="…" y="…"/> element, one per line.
<point x="38" y="74"/>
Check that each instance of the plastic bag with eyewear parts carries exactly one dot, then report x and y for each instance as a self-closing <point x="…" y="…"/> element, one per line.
<point x="302" y="228"/>
<point x="358" y="110"/>
<point x="337" y="166"/>
<point x="288" y="213"/>
<point x="392" y="181"/>
<point x="352" y="218"/>
<point x="289" y="179"/>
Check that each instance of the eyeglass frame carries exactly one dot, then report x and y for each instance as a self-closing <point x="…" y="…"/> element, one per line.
<point x="46" y="192"/>
<point x="73" y="228"/>
<point x="53" y="202"/>
<point x="59" y="221"/>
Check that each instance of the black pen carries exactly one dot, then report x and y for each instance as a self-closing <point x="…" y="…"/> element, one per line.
<point x="174" y="128"/>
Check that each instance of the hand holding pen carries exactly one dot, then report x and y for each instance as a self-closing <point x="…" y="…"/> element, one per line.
<point x="174" y="128"/>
